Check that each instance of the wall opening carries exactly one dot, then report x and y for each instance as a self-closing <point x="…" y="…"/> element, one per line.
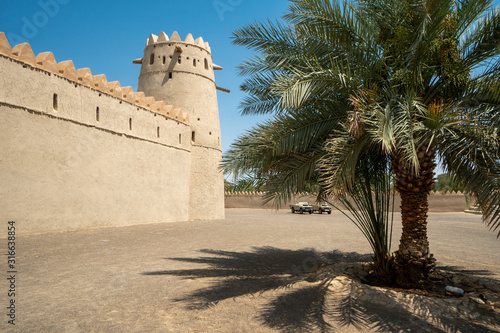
<point x="206" y="63"/>
<point x="130" y="123"/>
<point x="158" y="131"/>
<point x="193" y="136"/>
<point x="152" y="59"/>
<point x="194" y="62"/>
<point x="164" y="60"/>
<point x="54" y="102"/>
<point x="180" y="138"/>
<point x="97" y="113"/>
<point x="179" y="60"/>
<point x="170" y="75"/>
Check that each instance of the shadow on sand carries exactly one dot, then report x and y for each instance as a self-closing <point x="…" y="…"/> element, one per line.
<point x="317" y="302"/>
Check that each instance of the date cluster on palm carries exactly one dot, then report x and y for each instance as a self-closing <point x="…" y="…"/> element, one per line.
<point x="413" y="262"/>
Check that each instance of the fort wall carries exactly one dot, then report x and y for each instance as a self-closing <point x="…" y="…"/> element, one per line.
<point x="438" y="202"/>
<point x="78" y="151"/>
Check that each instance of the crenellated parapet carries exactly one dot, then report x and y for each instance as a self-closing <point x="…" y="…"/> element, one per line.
<point x="243" y="193"/>
<point x="304" y="194"/>
<point x="175" y="38"/>
<point x="66" y="69"/>
<point x="172" y="55"/>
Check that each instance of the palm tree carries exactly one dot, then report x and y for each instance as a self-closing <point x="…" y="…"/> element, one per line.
<point x="408" y="82"/>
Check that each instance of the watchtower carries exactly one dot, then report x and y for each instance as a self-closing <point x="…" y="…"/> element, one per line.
<point x="181" y="73"/>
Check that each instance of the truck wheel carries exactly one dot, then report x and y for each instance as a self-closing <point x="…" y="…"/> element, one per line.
<point x="301" y="211"/>
<point x="329" y="212"/>
<point x="310" y="212"/>
<point x="320" y="211"/>
<point x="293" y="210"/>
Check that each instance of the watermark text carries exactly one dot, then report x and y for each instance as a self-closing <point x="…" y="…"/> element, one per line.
<point x="11" y="272"/>
<point x="31" y="25"/>
<point x="224" y="6"/>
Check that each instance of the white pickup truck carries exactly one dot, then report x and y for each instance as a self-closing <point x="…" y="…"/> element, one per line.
<point x="301" y="207"/>
<point x="322" y="207"/>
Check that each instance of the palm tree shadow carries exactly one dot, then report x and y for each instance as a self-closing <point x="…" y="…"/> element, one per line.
<point x="248" y="273"/>
<point x="461" y="270"/>
<point x="327" y="291"/>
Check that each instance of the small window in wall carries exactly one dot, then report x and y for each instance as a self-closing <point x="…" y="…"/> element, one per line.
<point x="179" y="60"/>
<point x="130" y="123"/>
<point x="206" y="63"/>
<point x="158" y="131"/>
<point x="97" y="114"/>
<point x="170" y="75"/>
<point x="180" y="138"/>
<point x="152" y="59"/>
<point x="194" y="62"/>
<point x="193" y="136"/>
<point x="54" y="102"/>
<point x="164" y="60"/>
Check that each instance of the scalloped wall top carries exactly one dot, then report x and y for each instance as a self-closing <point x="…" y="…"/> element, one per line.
<point x="46" y="61"/>
<point x="164" y="38"/>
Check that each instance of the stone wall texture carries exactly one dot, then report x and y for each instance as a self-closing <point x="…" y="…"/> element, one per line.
<point x="78" y="151"/>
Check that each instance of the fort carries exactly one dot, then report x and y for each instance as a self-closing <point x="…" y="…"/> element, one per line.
<point x="79" y="151"/>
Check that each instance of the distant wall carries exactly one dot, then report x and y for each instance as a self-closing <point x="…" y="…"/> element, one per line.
<point x="73" y="156"/>
<point x="437" y="202"/>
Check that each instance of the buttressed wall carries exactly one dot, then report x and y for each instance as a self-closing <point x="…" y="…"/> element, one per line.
<point x="79" y="151"/>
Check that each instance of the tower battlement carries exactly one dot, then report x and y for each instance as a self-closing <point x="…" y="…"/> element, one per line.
<point x="175" y="38"/>
<point x="182" y="73"/>
<point x="173" y="55"/>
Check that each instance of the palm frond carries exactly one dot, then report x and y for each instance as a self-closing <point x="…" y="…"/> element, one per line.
<point x="272" y="37"/>
<point x="338" y="167"/>
<point x="470" y="152"/>
<point x="283" y="150"/>
<point x="481" y="42"/>
<point x="468" y="13"/>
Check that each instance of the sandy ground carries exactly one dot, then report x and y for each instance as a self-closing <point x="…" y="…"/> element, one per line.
<point x="209" y="276"/>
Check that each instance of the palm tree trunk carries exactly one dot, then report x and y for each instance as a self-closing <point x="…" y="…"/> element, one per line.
<point x="413" y="261"/>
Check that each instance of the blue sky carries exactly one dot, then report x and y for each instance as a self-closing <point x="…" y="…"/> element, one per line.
<point x="107" y="35"/>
